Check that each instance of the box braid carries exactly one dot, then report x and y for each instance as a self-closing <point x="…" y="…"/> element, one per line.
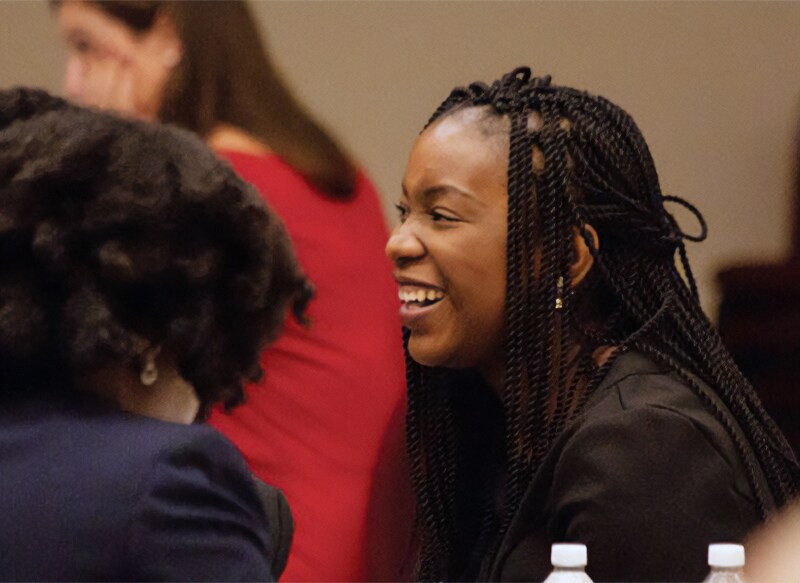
<point x="597" y="171"/>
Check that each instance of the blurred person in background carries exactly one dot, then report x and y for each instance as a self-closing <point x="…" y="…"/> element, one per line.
<point x="140" y="278"/>
<point x="759" y="320"/>
<point x="772" y="555"/>
<point x="325" y="424"/>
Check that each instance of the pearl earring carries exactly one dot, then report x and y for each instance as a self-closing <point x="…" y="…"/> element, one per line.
<point x="149" y="373"/>
<point x="171" y="57"/>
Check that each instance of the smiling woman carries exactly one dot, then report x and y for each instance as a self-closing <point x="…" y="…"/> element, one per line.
<point x="564" y="384"/>
<point x="454" y="212"/>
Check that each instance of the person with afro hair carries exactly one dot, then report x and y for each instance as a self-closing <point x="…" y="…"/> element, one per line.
<point x="140" y="278"/>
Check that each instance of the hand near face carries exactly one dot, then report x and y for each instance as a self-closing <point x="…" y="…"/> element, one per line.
<point x="772" y="551"/>
<point x="109" y="83"/>
<point x="111" y="66"/>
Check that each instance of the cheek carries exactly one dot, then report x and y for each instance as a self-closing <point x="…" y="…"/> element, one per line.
<point x="482" y="303"/>
<point x="482" y="313"/>
<point x="151" y="81"/>
<point x="461" y="336"/>
<point x="74" y="77"/>
<point x="479" y="280"/>
<point x="473" y="324"/>
<point x="469" y="328"/>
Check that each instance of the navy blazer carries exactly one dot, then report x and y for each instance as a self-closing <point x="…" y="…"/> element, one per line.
<point x="91" y="493"/>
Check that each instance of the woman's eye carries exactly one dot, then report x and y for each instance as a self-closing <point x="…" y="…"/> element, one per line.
<point x="80" y="45"/>
<point x="402" y="212"/>
<point x="437" y="216"/>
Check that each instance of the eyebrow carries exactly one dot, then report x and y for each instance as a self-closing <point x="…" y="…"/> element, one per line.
<point x="434" y="192"/>
<point x="76" y="35"/>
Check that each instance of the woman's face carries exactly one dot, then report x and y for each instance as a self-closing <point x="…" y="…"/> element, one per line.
<point x="112" y="67"/>
<point x="449" y="251"/>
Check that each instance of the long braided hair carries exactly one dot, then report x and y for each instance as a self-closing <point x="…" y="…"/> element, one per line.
<point x="595" y="171"/>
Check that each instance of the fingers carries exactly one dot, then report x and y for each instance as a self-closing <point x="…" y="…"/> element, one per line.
<point x="110" y="83"/>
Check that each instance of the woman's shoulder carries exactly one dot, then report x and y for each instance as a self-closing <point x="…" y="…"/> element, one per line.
<point x="227" y="138"/>
<point x="194" y="477"/>
<point x="637" y="385"/>
<point x="142" y="488"/>
<point x="647" y="467"/>
<point x="126" y="446"/>
<point x="175" y="441"/>
<point x="278" y="179"/>
<point x="646" y="419"/>
<point x="140" y="437"/>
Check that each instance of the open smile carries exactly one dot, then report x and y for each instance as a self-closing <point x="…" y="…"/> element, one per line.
<point x="418" y="301"/>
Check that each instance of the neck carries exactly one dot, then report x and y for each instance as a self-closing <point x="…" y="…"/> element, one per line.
<point x="170" y="398"/>
<point x="494" y="374"/>
<point x="602" y="354"/>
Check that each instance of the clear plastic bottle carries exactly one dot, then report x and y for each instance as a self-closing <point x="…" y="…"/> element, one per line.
<point x="726" y="562"/>
<point x="569" y="564"/>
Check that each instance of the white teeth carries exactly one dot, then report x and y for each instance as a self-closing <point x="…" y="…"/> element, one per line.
<point x="420" y="295"/>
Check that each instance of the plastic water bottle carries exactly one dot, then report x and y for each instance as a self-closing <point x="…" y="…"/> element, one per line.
<point x="569" y="564"/>
<point x="726" y="562"/>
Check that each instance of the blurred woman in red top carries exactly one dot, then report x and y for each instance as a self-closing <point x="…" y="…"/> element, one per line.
<point x="326" y="423"/>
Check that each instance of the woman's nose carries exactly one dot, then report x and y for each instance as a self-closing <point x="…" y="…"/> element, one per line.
<point x="404" y="245"/>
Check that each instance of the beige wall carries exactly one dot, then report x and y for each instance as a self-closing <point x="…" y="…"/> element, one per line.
<point x="715" y="86"/>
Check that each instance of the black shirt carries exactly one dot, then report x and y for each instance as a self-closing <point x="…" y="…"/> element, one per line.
<point x="647" y="478"/>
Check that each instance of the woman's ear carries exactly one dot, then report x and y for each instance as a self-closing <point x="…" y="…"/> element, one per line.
<point x="166" y="41"/>
<point x="583" y="255"/>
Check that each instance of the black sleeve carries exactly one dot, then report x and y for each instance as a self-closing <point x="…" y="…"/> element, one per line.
<point x="200" y="518"/>
<point x="646" y="490"/>
<point x="280" y="521"/>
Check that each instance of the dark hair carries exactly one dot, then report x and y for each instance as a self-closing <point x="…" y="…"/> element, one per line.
<point x="115" y="232"/>
<point x="595" y="169"/>
<point x="226" y="76"/>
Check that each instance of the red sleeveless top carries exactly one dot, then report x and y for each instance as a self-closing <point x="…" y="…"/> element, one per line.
<point x="325" y="424"/>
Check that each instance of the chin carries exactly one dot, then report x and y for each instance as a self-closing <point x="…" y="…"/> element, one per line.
<point x="427" y="354"/>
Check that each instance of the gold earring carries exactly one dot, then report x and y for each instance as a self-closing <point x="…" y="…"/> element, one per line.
<point x="560" y="293"/>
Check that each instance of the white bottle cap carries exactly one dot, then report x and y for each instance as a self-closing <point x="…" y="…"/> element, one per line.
<point x="568" y="555"/>
<point x="725" y="555"/>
